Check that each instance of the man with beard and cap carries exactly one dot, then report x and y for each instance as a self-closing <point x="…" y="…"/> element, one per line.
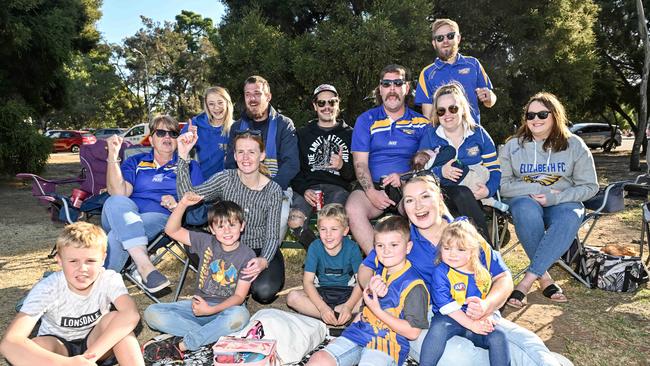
<point x="384" y="140"/>
<point x="278" y="134"/>
<point x="452" y="66"/>
<point x="325" y="162"/>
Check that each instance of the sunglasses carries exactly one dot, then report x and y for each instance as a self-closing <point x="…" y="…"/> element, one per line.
<point x="417" y="173"/>
<point x="541" y="115"/>
<point x="163" y="133"/>
<point x="441" y="37"/>
<point x="332" y="102"/>
<point x="249" y="132"/>
<point x="386" y="83"/>
<point x="453" y="109"/>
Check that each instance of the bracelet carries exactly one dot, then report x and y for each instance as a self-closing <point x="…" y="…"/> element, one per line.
<point x="114" y="161"/>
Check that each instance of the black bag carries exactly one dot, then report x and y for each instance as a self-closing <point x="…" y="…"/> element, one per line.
<point x="612" y="273"/>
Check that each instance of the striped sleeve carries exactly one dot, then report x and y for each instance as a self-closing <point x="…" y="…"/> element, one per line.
<point x="210" y="189"/>
<point x="491" y="162"/>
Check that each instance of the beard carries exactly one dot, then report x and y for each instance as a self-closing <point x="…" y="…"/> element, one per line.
<point x="256" y="114"/>
<point x="448" y="54"/>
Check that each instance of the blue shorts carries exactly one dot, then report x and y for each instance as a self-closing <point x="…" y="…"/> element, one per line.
<point x="79" y="347"/>
<point x="348" y="353"/>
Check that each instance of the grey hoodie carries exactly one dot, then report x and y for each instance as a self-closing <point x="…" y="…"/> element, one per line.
<point x="528" y="169"/>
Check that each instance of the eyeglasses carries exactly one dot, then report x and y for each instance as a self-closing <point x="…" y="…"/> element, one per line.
<point x="249" y="132"/>
<point x="162" y="133"/>
<point x="541" y="115"/>
<point x="441" y="37"/>
<point x="332" y="102"/>
<point x="386" y="83"/>
<point x="453" y="109"/>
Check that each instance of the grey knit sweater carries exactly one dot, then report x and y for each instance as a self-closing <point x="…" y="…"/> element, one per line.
<point x="261" y="208"/>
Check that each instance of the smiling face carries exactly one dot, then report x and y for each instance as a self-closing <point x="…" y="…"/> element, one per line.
<point x="227" y="231"/>
<point x="540" y="128"/>
<point x="257" y="98"/>
<point x="422" y="205"/>
<point x="449" y="121"/>
<point x="331" y="232"/>
<point x="217" y="107"/>
<point x="81" y="267"/>
<point x="248" y="155"/>
<point x="448" y="48"/>
<point x="393" y="96"/>
<point x="162" y="145"/>
<point x="326" y="114"/>
<point x="455" y="257"/>
<point x="391" y="248"/>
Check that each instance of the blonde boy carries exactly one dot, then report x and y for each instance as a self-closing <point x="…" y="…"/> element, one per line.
<point x="396" y="304"/>
<point x="333" y="260"/>
<point x="77" y="326"/>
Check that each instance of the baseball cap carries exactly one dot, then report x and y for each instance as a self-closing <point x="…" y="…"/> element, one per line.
<point x="325" y="87"/>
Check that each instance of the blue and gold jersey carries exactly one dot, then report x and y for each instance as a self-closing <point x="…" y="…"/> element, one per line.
<point x="150" y="182"/>
<point x="452" y="287"/>
<point x="373" y="333"/>
<point x="467" y="71"/>
<point x="390" y="144"/>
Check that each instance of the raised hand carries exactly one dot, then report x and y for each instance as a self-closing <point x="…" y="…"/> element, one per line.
<point x="187" y="141"/>
<point x="190" y="198"/>
<point x="113" y="144"/>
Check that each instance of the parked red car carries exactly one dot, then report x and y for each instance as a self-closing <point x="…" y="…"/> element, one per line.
<point x="71" y="140"/>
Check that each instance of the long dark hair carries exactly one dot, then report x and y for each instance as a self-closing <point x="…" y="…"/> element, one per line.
<point x="558" y="140"/>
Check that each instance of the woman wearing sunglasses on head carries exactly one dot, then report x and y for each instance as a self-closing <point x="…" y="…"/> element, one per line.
<point x="143" y="194"/>
<point x="463" y="156"/>
<point x="213" y="128"/>
<point x="546" y="173"/>
<point x="261" y="198"/>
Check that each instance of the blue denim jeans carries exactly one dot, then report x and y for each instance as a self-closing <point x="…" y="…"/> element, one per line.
<point x="348" y="353"/>
<point x="526" y="348"/>
<point x="545" y="232"/>
<point x="127" y="228"/>
<point x="444" y="327"/>
<point x="177" y="318"/>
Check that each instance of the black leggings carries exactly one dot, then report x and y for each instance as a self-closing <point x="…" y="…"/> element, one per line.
<point x="270" y="281"/>
<point x="461" y="202"/>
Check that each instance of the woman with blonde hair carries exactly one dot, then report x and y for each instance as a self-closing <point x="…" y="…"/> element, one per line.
<point x="213" y="127"/>
<point x="261" y="199"/>
<point x="546" y="174"/>
<point x="463" y="149"/>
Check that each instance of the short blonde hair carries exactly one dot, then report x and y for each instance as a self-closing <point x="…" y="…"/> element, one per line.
<point x="442" y="22"/>
<point x="334" y="211"/>
<point x="82" y="235"/>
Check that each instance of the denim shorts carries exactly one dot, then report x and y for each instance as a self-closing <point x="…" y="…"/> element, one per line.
<point x="348" y="353"/>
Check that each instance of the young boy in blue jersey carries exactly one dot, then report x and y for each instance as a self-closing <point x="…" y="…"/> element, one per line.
<point x="458" y="276"/>
<point x="333" y="260"/>
<point x="396" y="304"/>
<point x="217" y="307"/>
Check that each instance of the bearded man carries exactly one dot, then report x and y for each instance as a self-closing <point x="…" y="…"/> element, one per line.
<point x="452" y="66"/>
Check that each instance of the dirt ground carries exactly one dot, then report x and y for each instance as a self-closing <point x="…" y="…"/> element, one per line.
<point x="593" y="328"/>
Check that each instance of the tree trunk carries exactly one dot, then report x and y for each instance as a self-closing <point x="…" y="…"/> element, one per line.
<point x="635" y="163"/>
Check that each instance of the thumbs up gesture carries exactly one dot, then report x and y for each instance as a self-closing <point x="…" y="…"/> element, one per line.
<point x="336" y="160"/>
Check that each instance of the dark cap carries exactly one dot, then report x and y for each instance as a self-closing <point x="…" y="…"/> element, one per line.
<point x="325" y="87"/>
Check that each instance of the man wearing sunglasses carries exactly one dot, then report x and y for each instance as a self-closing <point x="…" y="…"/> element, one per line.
<point x="384" y="140"/>
<point x="325" y="162"/>
<point x="278" y="134"/>
<point x="452" y="66"/>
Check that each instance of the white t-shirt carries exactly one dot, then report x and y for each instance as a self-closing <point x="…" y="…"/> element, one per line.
<point x="69" y="315"/>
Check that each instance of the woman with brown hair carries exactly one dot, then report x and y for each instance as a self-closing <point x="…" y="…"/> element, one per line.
<point x="250" y="187"/>
<point x="546" y="172"/>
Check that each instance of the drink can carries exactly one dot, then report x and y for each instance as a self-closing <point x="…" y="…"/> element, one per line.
<point x="319" y="199"/>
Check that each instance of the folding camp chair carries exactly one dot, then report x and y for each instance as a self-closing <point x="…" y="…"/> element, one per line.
<point x="607" y="201"/>
<point x="638" y="190"/>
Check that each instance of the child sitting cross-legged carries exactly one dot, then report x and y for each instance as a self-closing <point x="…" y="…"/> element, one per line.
<point x="458" y="276"/>
<point x="217" y="307"/>
<point x="396" y="305"/>
<point x="334" y="261"/>
<point x="74" y="306"/>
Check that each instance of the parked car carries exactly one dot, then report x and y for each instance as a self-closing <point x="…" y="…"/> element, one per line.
<point x="49" y="133"/>
<point x="598" y="135"/>
<point x="104" y="133"/>
<point x="71" y="140"/>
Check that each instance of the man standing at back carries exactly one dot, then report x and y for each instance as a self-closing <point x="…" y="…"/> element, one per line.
<point x="278" y="133"/>
<point x="452" y="66"/>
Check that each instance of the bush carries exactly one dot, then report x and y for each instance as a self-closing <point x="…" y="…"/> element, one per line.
<point x="22" y="148"/>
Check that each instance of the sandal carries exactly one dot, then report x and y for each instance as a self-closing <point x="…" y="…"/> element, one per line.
<point x="554" y="289"/>
<point x="518" y="296"/>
